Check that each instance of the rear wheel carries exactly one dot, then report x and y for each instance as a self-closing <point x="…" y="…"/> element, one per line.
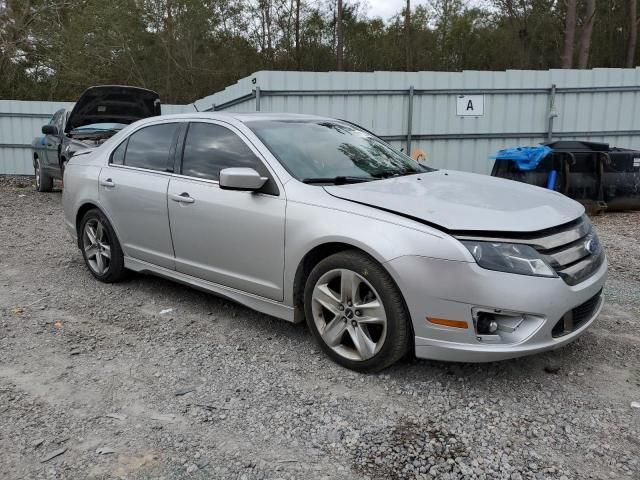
<point x="100" y="247"/>
<point x="356" y="312"/>
<point x="44" y="183"/>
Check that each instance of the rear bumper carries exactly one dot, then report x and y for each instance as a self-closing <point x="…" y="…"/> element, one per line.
<point x="444" y="289"/>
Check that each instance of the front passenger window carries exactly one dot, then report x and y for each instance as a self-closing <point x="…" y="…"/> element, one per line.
<point x="210" y="148"/>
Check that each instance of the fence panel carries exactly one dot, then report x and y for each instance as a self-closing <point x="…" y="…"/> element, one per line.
<point x="421" y="111"/>
<point x="20" y="123"/>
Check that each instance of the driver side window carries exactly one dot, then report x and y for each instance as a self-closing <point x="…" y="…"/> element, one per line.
<point x="56" y="120"/>
<point x="60" y="121"/>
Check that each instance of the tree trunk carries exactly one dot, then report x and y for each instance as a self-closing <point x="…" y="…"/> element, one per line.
<point x="298" y="58"/>
<point x="633" y="35"/>
<point x="267" y="17"/>
<point x="569" y="34"/>
<point x="407" y="36"/>
<point x="585" y="37"/>
<point x="169" y="33"/>
<point x="340" y="39"/>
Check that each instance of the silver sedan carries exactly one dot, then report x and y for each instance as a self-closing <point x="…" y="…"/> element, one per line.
<point x="304" y="217"/>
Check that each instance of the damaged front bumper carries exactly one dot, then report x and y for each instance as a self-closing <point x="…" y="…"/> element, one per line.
<point x="533" y="314"/>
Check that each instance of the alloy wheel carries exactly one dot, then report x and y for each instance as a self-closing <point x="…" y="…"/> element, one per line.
<point x="96" y="246"/>
<point x="349" y="314"/>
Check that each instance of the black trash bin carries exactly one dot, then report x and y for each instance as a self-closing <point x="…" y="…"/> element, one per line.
<point x="598" y="176"/>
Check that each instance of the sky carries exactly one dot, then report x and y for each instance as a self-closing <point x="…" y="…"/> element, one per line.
<point x="386" y="8"/>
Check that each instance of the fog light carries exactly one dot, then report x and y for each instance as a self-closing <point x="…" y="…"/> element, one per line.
<point x="486" y="324"/>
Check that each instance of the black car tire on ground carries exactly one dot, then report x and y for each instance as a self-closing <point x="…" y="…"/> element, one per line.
<point x="44" y="183"/>
<point x="399" y="332"/>
<point x="115" y="271"/>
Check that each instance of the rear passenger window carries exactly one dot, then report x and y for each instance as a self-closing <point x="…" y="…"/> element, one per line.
<point x="150" y="147"/>
<point x="209" y="148"/>
<point x="117" y="157"/>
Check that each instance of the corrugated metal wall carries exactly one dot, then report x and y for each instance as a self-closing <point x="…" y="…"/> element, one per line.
<point x="597" y="105"/>
<point x="20" y="123"/>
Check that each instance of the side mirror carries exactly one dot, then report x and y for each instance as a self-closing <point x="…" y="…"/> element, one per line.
<point x="246" y="179"/>
<point x="50" y="130"/>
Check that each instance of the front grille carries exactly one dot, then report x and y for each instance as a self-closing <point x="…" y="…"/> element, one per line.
<point x="575" y="318"/>
<point x="574" y="251"/>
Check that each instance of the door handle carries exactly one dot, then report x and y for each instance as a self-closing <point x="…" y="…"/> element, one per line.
<point x="182" y="198"/>
<point x="107" y="183"/>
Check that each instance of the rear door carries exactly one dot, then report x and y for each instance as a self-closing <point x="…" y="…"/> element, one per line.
<point x="133" y="191"/>
<point x="232" y="238"/>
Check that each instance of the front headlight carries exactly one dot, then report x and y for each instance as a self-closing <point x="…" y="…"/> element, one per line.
<point x="509" y="257"/>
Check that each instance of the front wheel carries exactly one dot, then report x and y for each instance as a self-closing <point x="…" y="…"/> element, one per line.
<point x="356" y="312"/>
<point x="44" y="183"/>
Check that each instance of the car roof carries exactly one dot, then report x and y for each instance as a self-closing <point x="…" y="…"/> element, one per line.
<point x="241" y="117"/>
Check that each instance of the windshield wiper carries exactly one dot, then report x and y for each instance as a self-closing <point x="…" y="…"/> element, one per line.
<point x="403" y="173"/>
<point x="340" y="180"/>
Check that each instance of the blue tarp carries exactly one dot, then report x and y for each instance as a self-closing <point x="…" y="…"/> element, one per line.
<point x="525" y="158"/>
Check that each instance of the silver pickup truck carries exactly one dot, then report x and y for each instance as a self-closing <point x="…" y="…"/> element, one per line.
<point x="99" y="113"/>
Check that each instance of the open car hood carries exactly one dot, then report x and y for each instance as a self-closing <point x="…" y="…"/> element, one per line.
<point x="458" y="201"/>
<point x="113" y="104"/>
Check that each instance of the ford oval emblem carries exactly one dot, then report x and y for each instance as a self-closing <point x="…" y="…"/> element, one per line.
<point x="592" y="245"/>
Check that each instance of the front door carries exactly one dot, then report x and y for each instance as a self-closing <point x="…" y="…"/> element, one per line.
<point x="232" y="238"/>
<point x="133" y="191"/>
<point x="53" y="143"/>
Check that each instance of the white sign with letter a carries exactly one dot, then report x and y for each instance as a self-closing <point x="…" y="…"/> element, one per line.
<point x="470" y="105"/>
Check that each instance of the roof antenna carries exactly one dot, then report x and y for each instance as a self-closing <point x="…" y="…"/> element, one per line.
<point x="194" y="106"/>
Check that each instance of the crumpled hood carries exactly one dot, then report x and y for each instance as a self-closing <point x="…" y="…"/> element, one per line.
<point x="113" y="104"/>
<point x="74" y="146"/>
<point x="459" y="201"/>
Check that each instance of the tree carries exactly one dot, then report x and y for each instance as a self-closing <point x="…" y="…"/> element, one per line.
<point x="407" y="35"/>
<point x="168" y="45"/>
<point x="187" y="49"/>
<point x="339" y="38"/>
<point x="298" y="56"/>
<point x="633" y="34"/>
<point x="265" y="10"/>
<point x="569" y="34"/>
<point x="585" y="36"/>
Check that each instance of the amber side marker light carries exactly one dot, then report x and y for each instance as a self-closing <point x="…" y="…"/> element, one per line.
<point x="448" y="323"/>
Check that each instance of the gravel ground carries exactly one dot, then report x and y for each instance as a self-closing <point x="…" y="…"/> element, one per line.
<point x="96" y="382"/>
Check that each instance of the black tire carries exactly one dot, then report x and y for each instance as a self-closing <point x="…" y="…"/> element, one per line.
<point x="44" y="183"/>
<point x="398" y="329"/>
<point x="115" y="270"/>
